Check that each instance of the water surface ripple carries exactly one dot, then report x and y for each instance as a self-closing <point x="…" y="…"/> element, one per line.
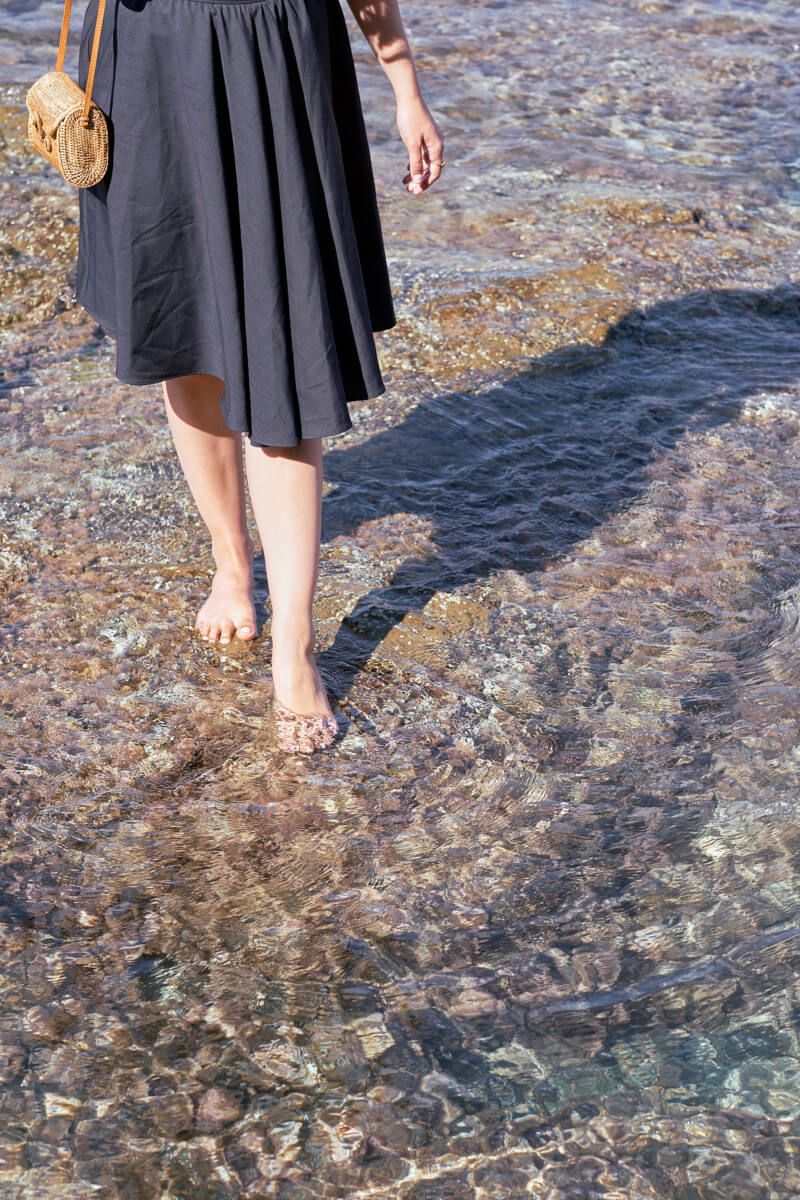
<point x="532" y="927"/>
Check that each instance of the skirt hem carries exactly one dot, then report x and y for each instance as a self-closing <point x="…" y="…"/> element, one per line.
<point x="136" y="379"/>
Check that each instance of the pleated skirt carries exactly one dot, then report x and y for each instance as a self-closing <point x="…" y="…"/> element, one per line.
<point x="236" y="232"/>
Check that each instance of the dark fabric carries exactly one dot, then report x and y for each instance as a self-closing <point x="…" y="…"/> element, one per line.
<point x="237" y="230"/>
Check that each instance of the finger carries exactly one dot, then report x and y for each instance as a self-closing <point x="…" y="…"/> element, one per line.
<point x="434" y="153"/>
<point x="416" y="166"/>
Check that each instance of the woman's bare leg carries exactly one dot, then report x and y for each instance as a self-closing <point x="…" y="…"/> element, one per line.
<point x="286" y="494"/>
<point x="211" y="457"/>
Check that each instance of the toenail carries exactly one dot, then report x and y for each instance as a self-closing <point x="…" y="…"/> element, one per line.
<point x="245" y="629"/>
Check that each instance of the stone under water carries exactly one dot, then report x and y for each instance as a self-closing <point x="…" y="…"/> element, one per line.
<point x="531" y="926"/>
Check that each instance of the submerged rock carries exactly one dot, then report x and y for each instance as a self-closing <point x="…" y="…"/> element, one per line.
<point x="533" y="923"/>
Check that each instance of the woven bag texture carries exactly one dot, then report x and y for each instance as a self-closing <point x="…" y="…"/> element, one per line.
<point x="55" y="108"/>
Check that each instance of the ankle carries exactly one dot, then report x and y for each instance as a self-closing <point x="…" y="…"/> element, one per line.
<point x="234" y="558"/>
<point x="293" y="639"/>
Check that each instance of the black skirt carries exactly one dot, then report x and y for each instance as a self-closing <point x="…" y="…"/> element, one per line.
<point x="236" y="232"/>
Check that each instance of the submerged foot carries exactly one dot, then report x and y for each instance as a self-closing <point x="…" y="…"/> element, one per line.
<point x="229" y="610"/>
<point x="303" y="715"/>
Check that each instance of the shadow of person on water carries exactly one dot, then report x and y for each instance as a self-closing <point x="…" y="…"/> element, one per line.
<point x="512" y="477"/>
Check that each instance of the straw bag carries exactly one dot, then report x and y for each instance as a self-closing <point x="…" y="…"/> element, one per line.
<point x="64" y="123"/>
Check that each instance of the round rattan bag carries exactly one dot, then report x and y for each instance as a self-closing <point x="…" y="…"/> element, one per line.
<point x="64" y="123"/>
<point x="77" y="146"/>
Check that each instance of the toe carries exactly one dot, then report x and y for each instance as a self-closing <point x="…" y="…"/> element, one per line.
<point x="226" y="630"/>
<point x="246" y="630"/>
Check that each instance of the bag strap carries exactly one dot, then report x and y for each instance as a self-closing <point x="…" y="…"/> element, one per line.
<point x="62" y="49"/>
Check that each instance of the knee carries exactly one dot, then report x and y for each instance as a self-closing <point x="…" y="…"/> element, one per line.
<point x="307" y="450"/>
<point x="194" y="389"/>
<point x="188" y="394"/>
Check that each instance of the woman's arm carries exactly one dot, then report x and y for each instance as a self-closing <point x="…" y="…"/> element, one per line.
<point x="382" y="26"/>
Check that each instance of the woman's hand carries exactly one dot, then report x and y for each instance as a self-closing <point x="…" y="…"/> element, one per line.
<point x="382" y="26"/>
<point x="424" y="142"/>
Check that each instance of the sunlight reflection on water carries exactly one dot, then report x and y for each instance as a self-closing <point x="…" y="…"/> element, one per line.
<point x="532" y="926"/>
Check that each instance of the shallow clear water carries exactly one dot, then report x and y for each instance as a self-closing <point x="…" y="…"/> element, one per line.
<point x="532" y="927"/>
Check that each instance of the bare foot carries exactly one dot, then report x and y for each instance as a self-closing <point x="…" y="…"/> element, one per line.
<point x="229" y="609"/>
<point x="296" y="679"/>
